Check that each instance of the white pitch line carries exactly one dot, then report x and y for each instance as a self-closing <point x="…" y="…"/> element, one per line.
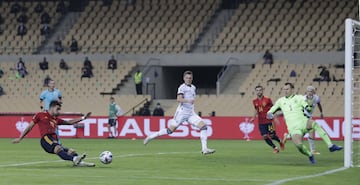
<point x="278" y="182"/>
<point x="205" y="179"/>
<point x="119" y="156"/>
<point x="154" y="177"/>
<point x="151" y="178"/>
<point x="29" y="163"/>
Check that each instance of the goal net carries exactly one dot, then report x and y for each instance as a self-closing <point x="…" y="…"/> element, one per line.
<point x="352" y="94"/>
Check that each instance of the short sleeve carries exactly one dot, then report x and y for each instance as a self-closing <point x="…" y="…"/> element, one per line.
<point x="42" y="95"/>
<point x="59" y="121"/>
<point x="59" y="94"/>
<point x="317" y="99"/>
<point x="181" y="90"/>
<point x="270" y="102"/>
<point x="36" y="118"/>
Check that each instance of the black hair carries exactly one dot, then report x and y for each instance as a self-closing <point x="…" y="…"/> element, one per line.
<point x="290" y="84"/>
<point x="54" y="103"/>
<point x="259" y="86"/>
<point x="188" y="73"/>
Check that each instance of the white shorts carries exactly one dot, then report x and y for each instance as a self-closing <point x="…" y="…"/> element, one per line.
<point x="188" y="116"/>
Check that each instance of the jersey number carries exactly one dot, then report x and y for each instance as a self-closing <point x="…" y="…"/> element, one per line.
<point x="271" y="128"/>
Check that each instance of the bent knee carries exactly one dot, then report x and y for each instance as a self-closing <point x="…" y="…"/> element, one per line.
<point x="201" y="125"/>
<point x="57" y="149"/>
<point x="204" y="127"/>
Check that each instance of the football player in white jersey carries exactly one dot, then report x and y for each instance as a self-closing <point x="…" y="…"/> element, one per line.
<point x="185" y="113"/>
<point x="313" y="100"/>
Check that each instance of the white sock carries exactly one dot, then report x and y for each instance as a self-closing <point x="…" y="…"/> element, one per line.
<point x="74" y="158"/>
<point x="113" y="131"/>
<point x="311" y="144"/>
<point x="159" y="133"/>
<point x="203" y="138"/>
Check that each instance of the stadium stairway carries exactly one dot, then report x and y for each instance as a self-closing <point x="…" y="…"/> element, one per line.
<point x="211" y="31"/>
<point x="233" y="85"/>
<point x="127" y="86"/>
<point x="61" y="30"/>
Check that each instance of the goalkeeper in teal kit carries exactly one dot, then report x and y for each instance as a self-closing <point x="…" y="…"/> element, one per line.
<point x="295" y="110"/>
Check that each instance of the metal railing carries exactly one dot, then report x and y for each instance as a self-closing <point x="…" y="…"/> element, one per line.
<point x="136" y="106"/>
<point x="222" y="77"/>
<point x="149" y="64"/>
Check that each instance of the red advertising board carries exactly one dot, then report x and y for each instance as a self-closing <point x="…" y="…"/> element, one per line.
<point x="140" y="127"/>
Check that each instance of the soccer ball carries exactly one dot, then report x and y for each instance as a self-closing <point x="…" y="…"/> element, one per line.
<point x="106" y="157"/>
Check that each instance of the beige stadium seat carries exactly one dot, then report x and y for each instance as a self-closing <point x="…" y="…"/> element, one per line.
<point x="15" y="44"/>
<point x="135" y="21"/>
<point x="299" y="20"/>
<point x="305" y="71"/>
<point x="75" y="91"/>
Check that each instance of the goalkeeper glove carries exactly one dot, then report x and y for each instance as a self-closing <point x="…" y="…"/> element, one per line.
<point x="307" y="110"/>
<point x="269" y="115"/>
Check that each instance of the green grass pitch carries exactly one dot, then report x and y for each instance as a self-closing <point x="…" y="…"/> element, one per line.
<point x="175" y="162"/>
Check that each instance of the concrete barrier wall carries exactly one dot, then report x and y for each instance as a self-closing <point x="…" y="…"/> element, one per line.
<point x="193" y="59"/>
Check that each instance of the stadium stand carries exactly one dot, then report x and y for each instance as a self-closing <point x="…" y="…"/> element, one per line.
<point x="10" y="42"/>
<point x="286" y="26"/>
<point x="146" y="27"/>
<point x="164" y="26"/>
<point x="171" y="26"/>
<point x="22" y="95"/>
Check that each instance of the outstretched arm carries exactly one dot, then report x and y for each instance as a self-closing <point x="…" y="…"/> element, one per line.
<point x="42" y="97"/>
<point x="76" y="120"/>
<point x="254" y="116"/>
<point x="23" y="134"/>
<point x="41" y="104"/>
<point x="273" y="109"/>
<point x="321" y="110"/>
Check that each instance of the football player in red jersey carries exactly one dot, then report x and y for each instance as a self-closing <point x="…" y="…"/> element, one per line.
<point x="47" y="122"/>
<point x="262" y="105"/>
